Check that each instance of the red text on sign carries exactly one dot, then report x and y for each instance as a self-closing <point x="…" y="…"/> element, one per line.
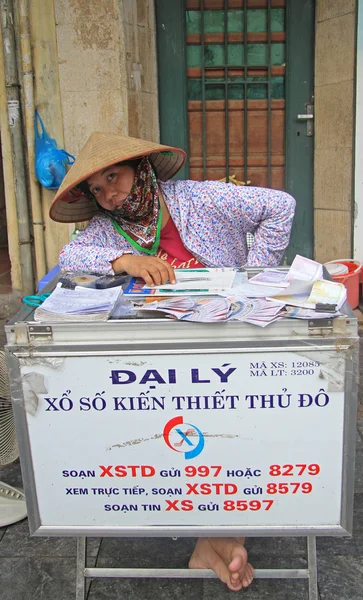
<point x="125" y="471"/>
<point x="293" y="470"/>
<point x="243" y="505"/>
<point x="285" y="488"/>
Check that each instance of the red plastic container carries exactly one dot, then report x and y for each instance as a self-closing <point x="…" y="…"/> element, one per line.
<point x="351" y="280"/>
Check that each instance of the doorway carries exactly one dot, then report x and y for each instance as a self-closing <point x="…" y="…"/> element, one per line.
<point x="236" y="92"/>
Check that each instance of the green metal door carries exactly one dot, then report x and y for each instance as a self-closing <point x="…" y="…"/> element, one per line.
<point x="236" y="92"/>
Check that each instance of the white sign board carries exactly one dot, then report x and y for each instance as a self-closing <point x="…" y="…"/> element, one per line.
<point x="241" y="439"/>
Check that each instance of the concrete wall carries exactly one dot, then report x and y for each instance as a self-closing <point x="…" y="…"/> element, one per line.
<point x="334" y="122"/>
<point x="107" y="68"/>
<point x="141" y="67"/>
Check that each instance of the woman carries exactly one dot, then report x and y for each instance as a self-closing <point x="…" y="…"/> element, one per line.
<point x="145" y="224"/>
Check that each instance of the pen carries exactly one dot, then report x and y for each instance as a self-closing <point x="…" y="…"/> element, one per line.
<point x="193" y="279"/>
<point x="193" y="270"/>
<point x="163" y="290"/>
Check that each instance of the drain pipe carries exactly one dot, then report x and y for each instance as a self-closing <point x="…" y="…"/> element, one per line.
<point x="10" y="200"/>
<point x="16" y="135"/>
<point x="28" y="91"/>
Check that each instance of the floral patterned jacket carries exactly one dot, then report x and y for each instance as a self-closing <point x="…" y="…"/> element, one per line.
<point x="212" y="218"/>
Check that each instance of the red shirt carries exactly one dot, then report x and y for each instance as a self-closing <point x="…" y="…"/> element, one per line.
<point x="172" y="250"/>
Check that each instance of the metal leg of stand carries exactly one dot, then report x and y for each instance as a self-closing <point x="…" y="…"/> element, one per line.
<point x="84" y="573"/>
<point x="80" y="569"/>
<point x="312" y="568"/>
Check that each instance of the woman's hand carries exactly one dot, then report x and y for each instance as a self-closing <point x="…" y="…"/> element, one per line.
<point x="154" y="271"/>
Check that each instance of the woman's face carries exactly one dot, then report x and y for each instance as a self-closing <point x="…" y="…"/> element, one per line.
<point x="112" y="185"/>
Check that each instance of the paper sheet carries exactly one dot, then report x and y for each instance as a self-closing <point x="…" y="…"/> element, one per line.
<point x="79" y="304"/>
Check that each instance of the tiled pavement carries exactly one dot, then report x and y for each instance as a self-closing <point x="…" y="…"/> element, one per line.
<point x="44" y="568"/>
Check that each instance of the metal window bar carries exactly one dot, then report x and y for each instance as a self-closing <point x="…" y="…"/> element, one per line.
<point x="246" y="84"/>
<point x="245" y="91"/>
<point x="204" y="119"/>
<point x="269" y="93"/>
<point x="226" y="61"/>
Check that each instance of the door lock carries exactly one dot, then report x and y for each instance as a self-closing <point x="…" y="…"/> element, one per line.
<point x="308" y="117"/>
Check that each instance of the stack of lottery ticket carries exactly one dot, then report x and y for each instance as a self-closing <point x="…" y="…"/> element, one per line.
<point x="259" y="312"/>
<point x="211" y="310"/>
<point x="265" y="312"/>
<point x="203" y="310"/>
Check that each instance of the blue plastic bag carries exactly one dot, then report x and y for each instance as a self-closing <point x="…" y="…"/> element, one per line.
<point x="50" y="161"/>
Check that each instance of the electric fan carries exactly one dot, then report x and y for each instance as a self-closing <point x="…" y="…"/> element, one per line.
<point x="12" y="500"/>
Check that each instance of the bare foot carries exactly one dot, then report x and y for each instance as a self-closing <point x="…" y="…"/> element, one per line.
<point x="228" y="559"/>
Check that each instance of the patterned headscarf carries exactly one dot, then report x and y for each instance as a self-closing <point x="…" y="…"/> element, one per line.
<point x="139" y="217"/>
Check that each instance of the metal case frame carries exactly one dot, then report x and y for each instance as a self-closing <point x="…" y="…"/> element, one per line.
<point x="29" y="340"/>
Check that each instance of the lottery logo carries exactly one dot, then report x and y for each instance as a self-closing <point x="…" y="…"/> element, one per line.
<point x="183" y="437"/>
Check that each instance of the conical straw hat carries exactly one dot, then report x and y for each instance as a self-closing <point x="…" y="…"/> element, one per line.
<point x="71" y="205"/>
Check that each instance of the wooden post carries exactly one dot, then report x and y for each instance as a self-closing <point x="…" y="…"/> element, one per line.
<point x="48" y="102"/>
